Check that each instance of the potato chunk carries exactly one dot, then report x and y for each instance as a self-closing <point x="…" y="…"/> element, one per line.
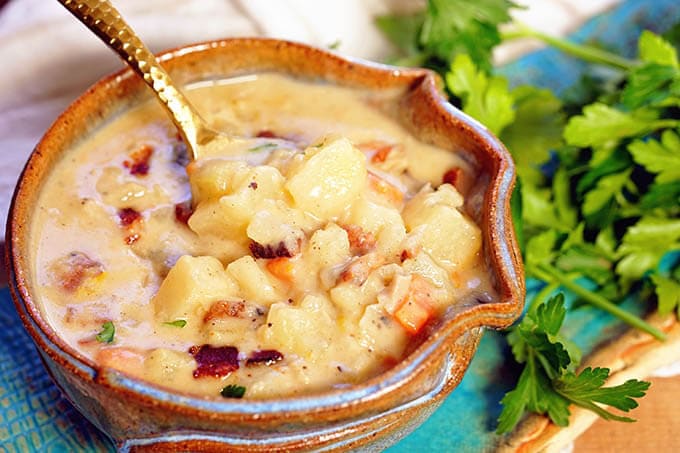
<point x="329" y="180"/>
<point x="384" y="222"/>
<point x="225" y="217"/>
<point x="214" y="178"/>
<point x="306" y="331"/>
<point x="190" y="287"/>
<point x="328" y="247"/>
<point x="276" y="223"/>
<point x="172" y="368"/>
<point x="381" y="333"/>
<point x="253" y="281"/>
<point x="450" y="237"/>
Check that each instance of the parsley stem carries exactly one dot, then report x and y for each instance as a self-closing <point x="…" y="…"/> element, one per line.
<point x="582" y="51"/>
<point x="549" y="274"/>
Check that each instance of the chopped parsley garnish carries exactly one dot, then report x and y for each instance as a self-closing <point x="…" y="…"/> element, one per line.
<point x="263" y="147"/>
<point x="107" y="333"/>
<point x="233" y="391"/>
<point x="176" y="323"/>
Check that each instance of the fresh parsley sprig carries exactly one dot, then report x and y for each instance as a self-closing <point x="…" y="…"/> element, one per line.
<point x="447" y="28"/>
<point x="548" y="384"/>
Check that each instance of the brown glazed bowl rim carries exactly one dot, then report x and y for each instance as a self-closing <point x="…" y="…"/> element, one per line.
<point x="501" y="252"/>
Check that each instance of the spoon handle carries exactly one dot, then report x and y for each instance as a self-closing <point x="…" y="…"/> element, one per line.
<point x="105" y="21"/>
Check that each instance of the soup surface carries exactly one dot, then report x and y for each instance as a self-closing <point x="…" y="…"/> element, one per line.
<point x="287" y="268"/>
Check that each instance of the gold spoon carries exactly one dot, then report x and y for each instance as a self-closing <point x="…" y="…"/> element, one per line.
<point x="105" y="21"/>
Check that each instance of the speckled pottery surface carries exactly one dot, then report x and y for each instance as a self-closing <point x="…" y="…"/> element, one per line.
<point x="139" y="416"/>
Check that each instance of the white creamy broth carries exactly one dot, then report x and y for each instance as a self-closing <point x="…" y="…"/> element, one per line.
<point x="283" y="271"/>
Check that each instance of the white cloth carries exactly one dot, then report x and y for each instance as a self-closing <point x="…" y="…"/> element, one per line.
<point x="49" y="58"/>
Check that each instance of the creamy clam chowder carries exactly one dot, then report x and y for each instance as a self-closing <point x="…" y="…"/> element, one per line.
<point x="311" y="261"/>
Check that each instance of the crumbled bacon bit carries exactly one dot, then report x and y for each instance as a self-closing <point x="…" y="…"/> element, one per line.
<point x="73" y="269"/>
<point x="128" y="216"/>
<point x="183" y="211"/>
<point x="458" y="178"/>
<point x="360" y="241"/>
<point x="266" y="133"/>
<point x="269" y="251"/>
<point x="389" y="362"/>
<point x="404" y="255"/>
<point x="222" y="308"/>
<point x="138" y="162"/>
<point x="253" y="185"/>
<point x="265" y="357"/>
<point x="214" y="361"/>
<point x="451" y="176"/>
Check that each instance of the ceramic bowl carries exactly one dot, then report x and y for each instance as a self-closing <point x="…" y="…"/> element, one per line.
<point x="139" y="416"/>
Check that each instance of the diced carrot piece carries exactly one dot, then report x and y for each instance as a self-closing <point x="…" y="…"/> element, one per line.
<point x="124" y="359"/>
<point x="381" y="154"/>
<point x="376" y="151"/>
<point x="413" y="316"/>
<point x="388" y="190"/>
<point x="457" y="279"/>
<point x="282" y="268"/>
<point x="191" y="167"/>
<point x="415" y="310"/>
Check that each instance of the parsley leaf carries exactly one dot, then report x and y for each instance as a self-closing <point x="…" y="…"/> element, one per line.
<point x="177" y="323"/>
<point x="668" y="293"/>
<point x="662" y="158"/>
<point x="597" y="203"/>
<point x="537" y="209"/>
<point x="651" y="84"/>
<point x="645" y="243"/>
<point x="453" y="27"/>
<point x="532" y="394"/>
<point x="445" y="29"/>
<point x="233" y="391"/>
<point x="107" y="333"/>
<point x="601" y="125"/>
<point x="664" y="196"/>
<point x="652" y="48"/>
<point x="485" y="98"/>
<point x="585" y="389"/>
<point x="535" y="110"/>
